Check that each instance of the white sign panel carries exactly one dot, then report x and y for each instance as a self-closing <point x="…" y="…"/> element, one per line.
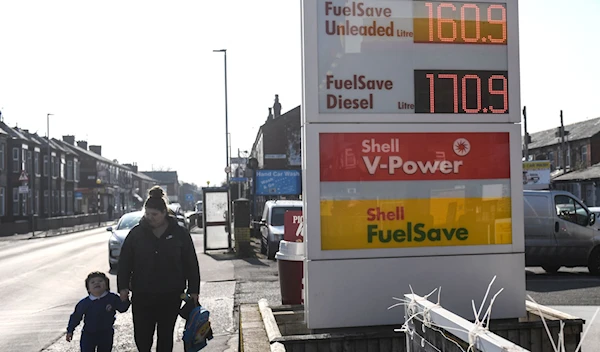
<point x="411" y="61"/>
<point x="536" y="175"/>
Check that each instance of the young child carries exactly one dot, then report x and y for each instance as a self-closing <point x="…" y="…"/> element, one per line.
<point x="98" y="312"/>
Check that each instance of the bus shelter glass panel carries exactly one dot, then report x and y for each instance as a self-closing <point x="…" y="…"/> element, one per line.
<point x="216" y="235"/>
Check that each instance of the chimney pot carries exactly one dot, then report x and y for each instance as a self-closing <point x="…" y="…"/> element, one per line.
<point x="96" y="149"/>
<point x="82" y="144"/>
<point x="69" y="139"/>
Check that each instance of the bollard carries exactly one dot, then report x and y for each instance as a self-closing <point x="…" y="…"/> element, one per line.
<point x="241" y="223"/>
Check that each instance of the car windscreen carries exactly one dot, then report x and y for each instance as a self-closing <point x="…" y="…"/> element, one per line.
<point x="278" y="214"/>
<point x="129" y="220"/>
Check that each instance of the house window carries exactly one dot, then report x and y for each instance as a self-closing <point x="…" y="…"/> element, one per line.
<point x="76" y="172"/>
<point x="2" y="202"/>
<point x="70" y="170"/>
<point x="16" y="201"/>
<point x="1" y="156"/>
<point x="551" y="159"/>
<point x="63" y="165"/>
<point x="55" y="166"/>
<point x="29" y="165"/>
<point x="584" y="154"/>
<point x="36" y="163"/>
<point x="15" y="157"/>
<point x="62" y="202"/>
<point x="45" y="165"/>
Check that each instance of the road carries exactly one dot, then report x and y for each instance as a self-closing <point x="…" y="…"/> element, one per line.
<point x="41" y="280"/>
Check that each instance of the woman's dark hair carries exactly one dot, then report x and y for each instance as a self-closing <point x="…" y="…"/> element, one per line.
<point x="96" y="274"/>
<point x="156" y="199"/>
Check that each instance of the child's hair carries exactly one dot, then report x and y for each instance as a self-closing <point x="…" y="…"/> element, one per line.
<point x="96" y="274"/>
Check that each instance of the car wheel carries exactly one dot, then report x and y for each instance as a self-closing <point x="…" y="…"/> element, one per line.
<point x="263" y="246"/>
<point x="271" y="250"/>
<point x="594" y="262"/>
<point x="551" y="269"/>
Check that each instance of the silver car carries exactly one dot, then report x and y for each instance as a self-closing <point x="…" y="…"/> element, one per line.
<point x="125" y="224"/>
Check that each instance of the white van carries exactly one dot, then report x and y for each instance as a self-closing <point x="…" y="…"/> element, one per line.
<point x="559" y="232"/>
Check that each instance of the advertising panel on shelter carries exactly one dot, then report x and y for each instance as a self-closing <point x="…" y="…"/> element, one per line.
<point x="406" y="190"/>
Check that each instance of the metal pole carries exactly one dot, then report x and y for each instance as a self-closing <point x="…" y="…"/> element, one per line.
<point x="239" y="183"/>
<point x="99" y="209"/>
<point x="526" y="134"/>
<point x="228" y="183"/>
<point x="49" y="168"/>
<point x="562" y="137"/>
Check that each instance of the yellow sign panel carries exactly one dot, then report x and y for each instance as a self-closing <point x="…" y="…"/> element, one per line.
<point x="409" y="223"/>
<point x="536" y="165"/>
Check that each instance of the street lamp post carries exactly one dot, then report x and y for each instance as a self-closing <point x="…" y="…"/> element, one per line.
<point x="49" y="167"/>
<point x="227" y="171"/>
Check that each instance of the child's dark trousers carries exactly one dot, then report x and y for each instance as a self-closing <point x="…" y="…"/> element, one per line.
<point x="101" y="339"/>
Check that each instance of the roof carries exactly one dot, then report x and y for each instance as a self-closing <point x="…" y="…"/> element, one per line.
<point x="589" y="173"/>
<point x="144" y="176"/>
<point x="163" y="176"/>
<point x="580" y="130"/>
<point x="81" y="151"/>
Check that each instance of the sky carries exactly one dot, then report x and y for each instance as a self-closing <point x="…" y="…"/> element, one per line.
<point x="140" y="78"/>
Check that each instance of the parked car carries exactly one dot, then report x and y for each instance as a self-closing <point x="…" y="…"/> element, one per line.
<point x="271" y="224"/>
<point x="178" y="212"/>
<point x="119" y="232"/>
<point x="559" y="231"/>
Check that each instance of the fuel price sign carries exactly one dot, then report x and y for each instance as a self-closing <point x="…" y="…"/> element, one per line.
<point x="411" y="61"/>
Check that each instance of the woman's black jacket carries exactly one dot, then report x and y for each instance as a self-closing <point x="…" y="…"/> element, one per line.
<point x="151" y="265"/>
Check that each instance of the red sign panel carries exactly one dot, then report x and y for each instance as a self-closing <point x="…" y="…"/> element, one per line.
<point x="292" y="226"/>
<point x="414" y="156"/>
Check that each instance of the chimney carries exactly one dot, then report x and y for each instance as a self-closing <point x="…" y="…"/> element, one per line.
<point x="277" y="106"/>
<point x="96" y="149"/>
<point x="133" y="167"/>
<point x="69" y="139"/>
<point x="270" y="117"/>
<point x="82" y="144"/>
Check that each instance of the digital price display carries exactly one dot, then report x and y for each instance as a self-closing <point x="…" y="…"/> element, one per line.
<point x="417" y="57"/>
<point x="459" y="22"/>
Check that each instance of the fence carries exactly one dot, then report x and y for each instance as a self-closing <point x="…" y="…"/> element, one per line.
<point x="429" y="327"/>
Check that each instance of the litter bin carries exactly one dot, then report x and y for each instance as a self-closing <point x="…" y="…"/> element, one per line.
<point x="290" y="262"/>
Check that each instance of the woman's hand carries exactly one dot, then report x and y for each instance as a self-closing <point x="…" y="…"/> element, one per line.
<point x="195" y="297"/>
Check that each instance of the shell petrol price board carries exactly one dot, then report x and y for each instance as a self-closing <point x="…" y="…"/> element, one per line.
<point x="414" y="190"/>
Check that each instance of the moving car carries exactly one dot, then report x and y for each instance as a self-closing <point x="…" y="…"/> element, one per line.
<point x="271" y="224"/>
<point x="119" y="232"/>
<point x="559" y="231"/>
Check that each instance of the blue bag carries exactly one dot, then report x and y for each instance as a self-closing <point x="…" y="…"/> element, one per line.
<point x="197" y="330"/>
